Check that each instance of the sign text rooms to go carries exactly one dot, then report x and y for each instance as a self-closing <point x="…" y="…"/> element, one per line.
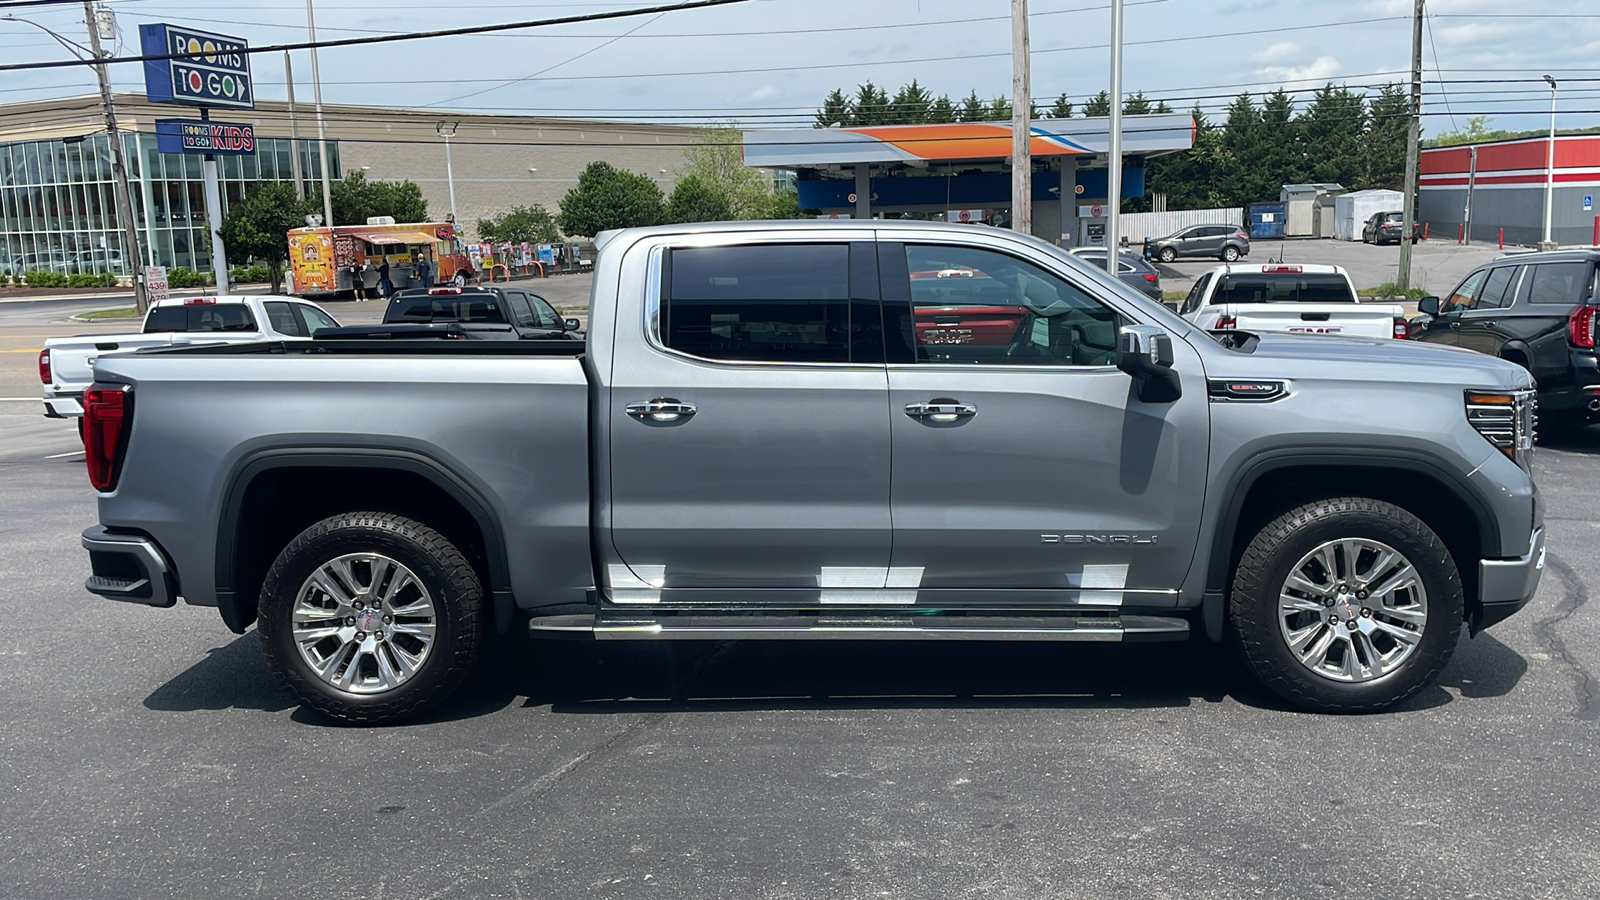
<point x="213" y="69"/>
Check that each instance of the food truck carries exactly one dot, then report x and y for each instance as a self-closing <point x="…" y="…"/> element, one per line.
<point x="325" y="261"/>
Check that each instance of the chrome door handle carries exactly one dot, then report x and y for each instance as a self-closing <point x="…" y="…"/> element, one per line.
<point x="941" y="410"/>
<point x="661" y="409"/>
<point x="1455" y="324"/>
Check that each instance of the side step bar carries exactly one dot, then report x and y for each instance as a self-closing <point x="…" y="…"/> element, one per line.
<point x="869" y="628"/>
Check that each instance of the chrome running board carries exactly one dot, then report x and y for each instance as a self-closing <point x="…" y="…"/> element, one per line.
<point x="868" y="628"/>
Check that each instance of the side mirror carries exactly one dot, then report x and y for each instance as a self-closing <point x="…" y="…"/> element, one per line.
<point x="1428" y="306"/>
<point x="572" y="324"/>
<point x="1171" y="304"/>
<point x="1145" y="352"/>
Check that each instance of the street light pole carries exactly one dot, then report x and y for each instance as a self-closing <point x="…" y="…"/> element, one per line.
<point x="448" y="131"/>
<point x="1550" y="169"/>
<point x="322" y="129"/>
<point x="1114" y="151"/>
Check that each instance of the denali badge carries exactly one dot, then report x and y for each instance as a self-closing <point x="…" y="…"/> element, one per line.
<point x="1097" y="539"/>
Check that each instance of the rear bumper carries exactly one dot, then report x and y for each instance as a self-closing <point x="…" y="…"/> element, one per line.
<point x="63" y="406"/>
<point x="130" y="568"/>
<point x="1506" y="585"/>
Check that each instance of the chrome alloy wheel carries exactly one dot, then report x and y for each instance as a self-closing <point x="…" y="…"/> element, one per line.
<point x="364" y="623"/>
<point x="1353" y="610"/>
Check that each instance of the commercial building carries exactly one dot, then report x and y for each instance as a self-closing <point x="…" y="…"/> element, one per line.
<point x="962" y="170"/>
<point x="57" y="208"/>
<point x="1476" y="190"/>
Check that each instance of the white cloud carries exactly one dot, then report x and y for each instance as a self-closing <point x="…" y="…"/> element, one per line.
<point x="765" y="92"/>
<point x="1282" y="51"/>
<point x="1319" y="69"/>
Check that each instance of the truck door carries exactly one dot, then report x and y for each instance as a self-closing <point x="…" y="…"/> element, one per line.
<point x="749" y="432"/>
<point x="1480" y="323"/>
<point x="1029" y="473"/>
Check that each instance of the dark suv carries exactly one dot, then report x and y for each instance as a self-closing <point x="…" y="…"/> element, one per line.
<point x="1385" y="228"/>
<point x="1536" y="310"/>
<point x="1224" y="242"/>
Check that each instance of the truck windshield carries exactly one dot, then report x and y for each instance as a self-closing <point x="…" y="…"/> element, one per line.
<point x="483" y="307"/>
<point x="1250" y="287"/>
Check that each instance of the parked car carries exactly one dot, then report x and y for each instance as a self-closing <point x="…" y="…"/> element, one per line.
<point x="66" y="364"/>
<point x="1298" y="299"/>
<point x="753" y="446"/>
<point x="1385" y="228"/>
<point x="484" y="313"/>
<point x="1537" y="310"/>
<point x="1133" y="269"/>
<point x="1224" y="242"/>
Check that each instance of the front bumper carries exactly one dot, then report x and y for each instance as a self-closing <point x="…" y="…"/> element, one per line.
<point x="1506" y="585"/>
<point x="130" y="568"/>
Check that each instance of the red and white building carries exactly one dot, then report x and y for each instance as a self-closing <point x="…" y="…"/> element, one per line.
<point x="1479" y="189"/>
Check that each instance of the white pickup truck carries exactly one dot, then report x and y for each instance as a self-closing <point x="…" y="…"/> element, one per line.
<point x="1300" y="299"/>
<point x="66" y="364"/>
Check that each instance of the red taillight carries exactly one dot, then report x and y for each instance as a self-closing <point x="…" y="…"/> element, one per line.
<point x="1152" y="277"/>
<point x="1226" y="322"/>
<point x="1401" y="330"/>
<point x="1580" y="327"/>
<point x="105" y="417"/>
<point x="1283" y="270"/>
<point x="1242" y="236"/>
<point x="44" y="366"/>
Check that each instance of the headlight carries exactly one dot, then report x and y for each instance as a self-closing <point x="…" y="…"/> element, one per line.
<point x="1507" y="420"/>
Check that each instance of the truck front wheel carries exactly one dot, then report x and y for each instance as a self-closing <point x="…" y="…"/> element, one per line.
<point x="1346" y="605"/>
<point x="371" y="617"/>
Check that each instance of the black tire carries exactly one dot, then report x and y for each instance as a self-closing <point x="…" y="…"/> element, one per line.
<point x="1230" y="254"/>
<point x="447" y="576"/>
<point x="1168" y="254"/>
<point x="1266" y="564"/>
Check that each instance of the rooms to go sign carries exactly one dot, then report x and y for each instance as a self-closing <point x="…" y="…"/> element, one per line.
<point x="188" y="136"/>
<point x="213" y="69"/>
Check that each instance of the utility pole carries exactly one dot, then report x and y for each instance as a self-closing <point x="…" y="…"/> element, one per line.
<point x="1408" y="215"/>
<point x="447" y="132"/>
<point x="1114" y="152"/>
<point x="294" y="129"/>
<point x="1021" y="126"/>
<point x="322" y="129"/>
<point x="119" y="171"/>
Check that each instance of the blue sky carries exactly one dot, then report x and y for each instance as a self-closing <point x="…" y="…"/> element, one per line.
<point x="771" y="61"/>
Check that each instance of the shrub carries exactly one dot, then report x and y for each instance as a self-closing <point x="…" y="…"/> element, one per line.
<point x="42" y="278"/>
<point x="249" y="274"/>
<point x="186" y="278"/>
<point x="89" y="279"/>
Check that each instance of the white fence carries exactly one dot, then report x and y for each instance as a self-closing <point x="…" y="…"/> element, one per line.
<point x="1138" y="226"/>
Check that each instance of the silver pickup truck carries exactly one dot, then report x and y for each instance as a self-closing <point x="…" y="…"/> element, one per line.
<point x="819" y="430"/>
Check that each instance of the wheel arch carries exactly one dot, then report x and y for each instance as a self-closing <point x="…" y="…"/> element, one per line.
<point x="1274" y="484"/>
<point x="259" y="516"/>
<point x="1518" y="352"/>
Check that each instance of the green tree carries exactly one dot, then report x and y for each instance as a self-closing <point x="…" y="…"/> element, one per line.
<point x="1062" y="108"/>
<point x="942" y="110"/>
<point x="870" y="105"/>
<point x="716" y="159"/>
<point x="911" y="105"/>
<point x="784" y="205"/>
<point x="693" y="200"/>
<point x="971" y="109"/>
<point x="1332" y="130"/>
<point x="355" y="199"/>
<point x="1136" y="104"/>
<point x="607" y="197"/>
<point x="257" y="227"/>
<point x="1388" y="115"/>
<point x="1194" y="178"/>
<point x="1098" y="105"/>
<point x="835" y="110"/>
<point x="999" y="109"/>
<point x="533" y="224"/>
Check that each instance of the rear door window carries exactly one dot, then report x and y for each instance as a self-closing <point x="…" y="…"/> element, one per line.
<point x="1191" y="303"/>
<point x="283" y="319"/>
<point x="760" y="303"/>
<point x="520" y="310"/>
<point x="1566" y="282"/>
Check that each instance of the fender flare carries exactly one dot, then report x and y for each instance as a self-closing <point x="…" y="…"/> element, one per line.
<point x="239" y="612"/>
<point x="1218" y="562"/>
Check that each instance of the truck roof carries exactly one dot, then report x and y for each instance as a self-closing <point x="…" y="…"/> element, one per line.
<point x="211" y="298"/>
<point x="1279" y="269"/>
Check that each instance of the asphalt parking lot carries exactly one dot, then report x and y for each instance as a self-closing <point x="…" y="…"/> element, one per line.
<point x="150" y="753"/>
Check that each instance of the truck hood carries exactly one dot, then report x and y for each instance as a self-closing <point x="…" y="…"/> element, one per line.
<point x="1387" y="360"/>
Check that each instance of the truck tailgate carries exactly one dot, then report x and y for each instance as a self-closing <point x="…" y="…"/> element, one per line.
<point x="1355" y="319"/>
<point x="72" y="358"/>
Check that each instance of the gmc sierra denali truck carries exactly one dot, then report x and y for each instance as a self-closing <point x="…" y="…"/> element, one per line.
<point x="764" y="438"/>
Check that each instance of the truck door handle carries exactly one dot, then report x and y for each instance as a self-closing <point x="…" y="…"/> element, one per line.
<point x="941" y="410"/>
<point x="1455" y="324"/>
<point x="661" y="409"/>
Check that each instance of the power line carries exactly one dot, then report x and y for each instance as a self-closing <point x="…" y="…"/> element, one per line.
<point x="1435" y="48"/>
<point x="391" y="38"/>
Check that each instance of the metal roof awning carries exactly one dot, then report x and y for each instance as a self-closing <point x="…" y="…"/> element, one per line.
<point x="383" y="238"/>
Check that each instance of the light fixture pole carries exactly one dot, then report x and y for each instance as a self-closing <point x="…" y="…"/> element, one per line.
<point x="1114" y="151"/>
<point x="1550" y="169"/>
<point x="447" y="130"/>
<point x="322" y="128"/>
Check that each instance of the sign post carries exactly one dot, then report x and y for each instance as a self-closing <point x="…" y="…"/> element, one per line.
<point x="212" y="71"/>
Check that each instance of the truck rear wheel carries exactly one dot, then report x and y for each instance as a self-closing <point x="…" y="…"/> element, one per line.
<point x="1346" y="605"/>
<point x="371" y="617"/>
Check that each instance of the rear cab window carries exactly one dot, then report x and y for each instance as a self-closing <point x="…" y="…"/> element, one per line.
<point x="485" y="307"/>
<point x="200" y="317"/>
<point x="1272" y="287"/>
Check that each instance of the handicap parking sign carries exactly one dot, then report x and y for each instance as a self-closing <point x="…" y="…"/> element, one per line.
<point x="1588" y="202"/>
